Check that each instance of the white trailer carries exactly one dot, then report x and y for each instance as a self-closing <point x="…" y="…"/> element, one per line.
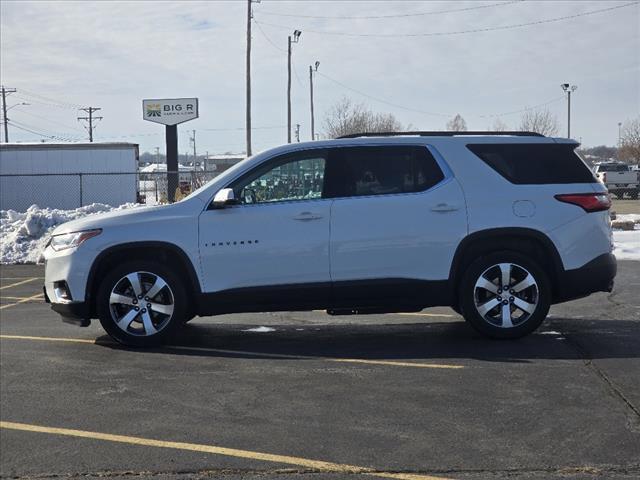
<point x="67" y="175"/>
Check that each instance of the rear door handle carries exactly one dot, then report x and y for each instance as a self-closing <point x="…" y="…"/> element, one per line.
<point x="444" y="207"/>
<point x="307" y="216"/>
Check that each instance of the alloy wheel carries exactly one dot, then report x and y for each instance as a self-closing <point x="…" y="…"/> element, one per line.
<point x="506" y="295"/>
<point x="141" y="303"/>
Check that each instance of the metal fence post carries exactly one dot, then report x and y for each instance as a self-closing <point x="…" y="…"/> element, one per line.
<point x="80" y="175"/>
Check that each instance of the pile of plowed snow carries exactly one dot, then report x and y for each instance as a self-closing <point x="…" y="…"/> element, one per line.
<point x="24" y="235"/>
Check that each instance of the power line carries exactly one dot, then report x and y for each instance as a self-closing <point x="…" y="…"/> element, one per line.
<point x="49" y="99"/>
<point x="39" y="102"/>
<point x="381" y="100"/>
<point x="266" y="37"/>
<point x="504" y="114"/>
<point x="401" y="15"/>
<point x="29" y="128"/>
<point x="459" y="32"/>
<point x="53" y="122"/>
<point x="386" y="102"/>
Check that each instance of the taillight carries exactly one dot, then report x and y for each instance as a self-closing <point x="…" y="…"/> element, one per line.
<point x="589" y="202"/>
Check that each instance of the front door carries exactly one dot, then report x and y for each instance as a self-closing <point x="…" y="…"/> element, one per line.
<point x="273" y="246"/>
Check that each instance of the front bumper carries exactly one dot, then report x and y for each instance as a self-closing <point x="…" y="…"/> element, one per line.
<point x="595" y="276"/>
<point x="76" y="313"/>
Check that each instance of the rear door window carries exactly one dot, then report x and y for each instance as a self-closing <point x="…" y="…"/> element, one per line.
<point x="380" y="170"/>
<point x="521" y="163"/>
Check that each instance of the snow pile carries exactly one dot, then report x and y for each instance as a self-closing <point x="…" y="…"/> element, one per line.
<point x="627" y="242"/>
<point x="24" y="235"/>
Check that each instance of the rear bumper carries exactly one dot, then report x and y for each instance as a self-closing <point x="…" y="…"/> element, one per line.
<point x="595" y="276"/>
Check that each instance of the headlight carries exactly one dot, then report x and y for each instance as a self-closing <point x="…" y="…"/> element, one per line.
<point x="69" y="240"/>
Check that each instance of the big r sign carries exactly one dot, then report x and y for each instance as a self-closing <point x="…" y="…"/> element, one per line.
<point x="170" y="111"/>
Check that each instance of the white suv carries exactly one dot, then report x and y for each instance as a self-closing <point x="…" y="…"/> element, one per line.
<point x="497" y="226"/>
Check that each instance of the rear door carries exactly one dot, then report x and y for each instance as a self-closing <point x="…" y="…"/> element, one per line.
<point x="397" y="218"/>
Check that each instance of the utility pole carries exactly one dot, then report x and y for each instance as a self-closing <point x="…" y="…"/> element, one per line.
<point x="298" y="132"/>
<point x="90" y="119"/>
<point x="248" y="79"/>
<point x="569" y="88"/>
<point x="296" y="37"/>
<point x="193" y="139"/>
<point x="6" y="91"/>
<point x="311" y="70"/>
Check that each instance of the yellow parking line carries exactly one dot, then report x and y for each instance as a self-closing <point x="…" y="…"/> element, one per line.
<point x="419" y="314"/>
<point x="310" y="357"/>
<point x="255" y="354"/>
<point x="318" y="465"/>
<point x="20" y="283"/>
<point x="47" y="339"/>
<point x="26" y="299"/>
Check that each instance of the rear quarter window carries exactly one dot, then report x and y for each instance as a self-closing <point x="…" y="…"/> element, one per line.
<point x="534" y="164"/>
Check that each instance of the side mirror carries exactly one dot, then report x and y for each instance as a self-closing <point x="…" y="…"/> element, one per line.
<point x="223" y="198"/>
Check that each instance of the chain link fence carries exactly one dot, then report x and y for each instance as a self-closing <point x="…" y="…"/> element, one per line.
<point x="72" y="190"/>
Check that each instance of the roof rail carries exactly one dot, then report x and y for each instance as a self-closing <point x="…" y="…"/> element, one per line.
<point x="440" y="134"/>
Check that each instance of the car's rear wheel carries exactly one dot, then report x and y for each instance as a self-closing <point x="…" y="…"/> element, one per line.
<point x="141" y="303"/>
<point x="505" y="295"/>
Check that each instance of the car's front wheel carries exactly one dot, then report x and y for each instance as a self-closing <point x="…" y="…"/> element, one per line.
<point x="141" y="303"/>
<point x="505" y="295"/>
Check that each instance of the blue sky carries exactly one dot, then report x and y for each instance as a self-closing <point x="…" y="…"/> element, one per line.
<point x="109" y="54"/>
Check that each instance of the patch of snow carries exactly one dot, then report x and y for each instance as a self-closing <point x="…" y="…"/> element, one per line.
<point x="629" y="217"/>
<point x="24" y="235"/>
<point x="260" y="330"/>
<point x="627" y="244"/>
<point x="550" y="332"/>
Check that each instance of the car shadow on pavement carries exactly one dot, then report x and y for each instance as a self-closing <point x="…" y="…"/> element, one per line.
<point x="557" y="339"/>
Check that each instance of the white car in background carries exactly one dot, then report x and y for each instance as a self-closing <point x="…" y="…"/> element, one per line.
<point x="497" y="226"/>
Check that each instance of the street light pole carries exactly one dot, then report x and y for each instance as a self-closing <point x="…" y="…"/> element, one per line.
<point x="619" y="134"/>
<point x="296" y="37"/>
<point x="311" y="70"/>
<point x="569" y="89"/>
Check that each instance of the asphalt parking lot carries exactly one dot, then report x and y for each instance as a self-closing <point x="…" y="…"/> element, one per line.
<point x="413" y="396"/>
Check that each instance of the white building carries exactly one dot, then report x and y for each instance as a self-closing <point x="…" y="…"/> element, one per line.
<point x="67" y="175"/>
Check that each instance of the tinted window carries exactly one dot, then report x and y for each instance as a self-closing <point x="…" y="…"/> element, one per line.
<point x="534" y="163"/>
<point x="358" y="171"/>
<point x="288" y="178"/>
<point x="613" y="167"/>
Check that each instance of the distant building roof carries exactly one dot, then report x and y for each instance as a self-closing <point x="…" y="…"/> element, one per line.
<point x="226" y="156"/>
<point x="65" y="146"/>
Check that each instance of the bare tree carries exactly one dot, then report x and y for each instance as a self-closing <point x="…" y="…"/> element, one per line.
<point x="346" y="117"/>
<point x="630" y="141"/>
<point x="539" y="121"/>
<point x="499" y="126"/>
<point x="457" y="124"/>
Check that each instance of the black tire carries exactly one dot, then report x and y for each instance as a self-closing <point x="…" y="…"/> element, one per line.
<point x="536" y="297"/>
<point x="633" y="194"/>
<point x="166" y="324"/>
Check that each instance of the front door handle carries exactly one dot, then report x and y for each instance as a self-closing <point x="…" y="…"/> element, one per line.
<point x="444" y="207"/>
<point x="307" y="216"/>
